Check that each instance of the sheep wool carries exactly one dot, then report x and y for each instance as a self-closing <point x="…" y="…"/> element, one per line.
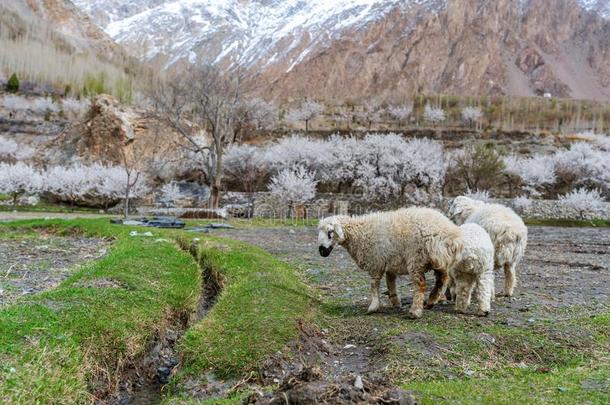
<point x="407" y="241"/>
<point x="507" y="231"/>
<point x="476" y="268"/>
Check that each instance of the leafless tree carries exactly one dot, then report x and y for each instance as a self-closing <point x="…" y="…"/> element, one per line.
<point x="203" y="106"/>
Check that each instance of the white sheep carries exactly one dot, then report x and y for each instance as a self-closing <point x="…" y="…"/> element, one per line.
<point x="407" y="241"/>
<point x="476" y="268"/>
<point x="507" y="231"/>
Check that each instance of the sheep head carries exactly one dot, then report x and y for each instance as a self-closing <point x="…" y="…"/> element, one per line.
<point x="462" y="207"/>
<point x="330" y="232"/>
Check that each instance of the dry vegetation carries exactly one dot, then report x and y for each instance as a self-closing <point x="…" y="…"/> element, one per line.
<point x="50" y="62"/>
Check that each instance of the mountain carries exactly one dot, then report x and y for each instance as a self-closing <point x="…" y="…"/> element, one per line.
<point x="344" y="49"/>
<point x="53" y="47"/>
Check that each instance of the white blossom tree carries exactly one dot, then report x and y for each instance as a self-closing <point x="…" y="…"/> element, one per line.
<point x="585" y="203"/>
<point x="434" y="115"/>
<point x="203" y="99"/>
<point x="262" y="114"/>
<point x="294" y="186"/>
<point x="400" y="112"/>
<point x="472" y="115"/>
<point x="17" y="179"/>
<point x="14" y="152"/>
<point x="308" y="111"/>
<point x="537" y="172"/>
<point x="170" y="193"/>
<point x="246" y="165"/>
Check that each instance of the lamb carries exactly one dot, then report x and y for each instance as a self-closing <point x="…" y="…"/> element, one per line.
<point x="507" y="231"/>
<point x="475" y="268"/>
<point x="407" y="241"/>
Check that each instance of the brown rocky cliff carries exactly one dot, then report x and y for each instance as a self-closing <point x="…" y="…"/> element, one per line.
<point x="471" y="47"/>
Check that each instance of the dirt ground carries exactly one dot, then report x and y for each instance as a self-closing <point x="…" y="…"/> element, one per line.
<point x="563" y="267"/>
<point x="39" y="262"/>
<point x="564" y="277"/>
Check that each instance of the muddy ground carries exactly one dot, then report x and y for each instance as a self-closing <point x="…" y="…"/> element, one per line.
<point x="34" y="263"/>
<point x="565" y="276"/>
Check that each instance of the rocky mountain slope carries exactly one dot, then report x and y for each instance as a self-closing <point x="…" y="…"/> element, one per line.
<point x="354" y="48"/>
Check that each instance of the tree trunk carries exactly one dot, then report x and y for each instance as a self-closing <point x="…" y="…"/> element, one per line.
<point x="126" y="206"/>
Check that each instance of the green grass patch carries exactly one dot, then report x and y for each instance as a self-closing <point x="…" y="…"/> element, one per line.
<point x="569" y="223"/>
<point x="63" y="344"/>
<point x="256" y="313"/>
<point x="47" y="207"/>
<point x="587" y="384"/>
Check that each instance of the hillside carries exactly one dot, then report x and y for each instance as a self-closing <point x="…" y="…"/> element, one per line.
<point x="351" y="49"/>
<point x="53" y="47"/>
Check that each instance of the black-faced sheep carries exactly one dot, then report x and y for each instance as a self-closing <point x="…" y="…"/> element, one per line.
<point x="507" y="231"/>
<point x="407" y="241"/>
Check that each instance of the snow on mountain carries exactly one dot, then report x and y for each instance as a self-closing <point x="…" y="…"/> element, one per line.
<point x="237" y="31"/>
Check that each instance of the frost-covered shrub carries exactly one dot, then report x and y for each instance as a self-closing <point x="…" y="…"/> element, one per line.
<point x="522" y="204"/>
<point x="583" y="166"/>
<point x="471" y="115"/>
<point x="247" y="166"/>
<point x="294" y="186"/>
<point x="586" y="204"/>
<point x="434" y="115"/>
<point x="536" y="173"/>
<point x="479" y="195"/>
<point x="19" y="178"/>
<point x="12" y="151"/>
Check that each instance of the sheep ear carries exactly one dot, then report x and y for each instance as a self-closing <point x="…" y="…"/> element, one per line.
<point x="339" y="231"/>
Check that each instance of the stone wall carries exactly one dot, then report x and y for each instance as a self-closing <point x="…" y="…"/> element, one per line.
<point x="552" y="209"/>
<point x="266" y="206"/>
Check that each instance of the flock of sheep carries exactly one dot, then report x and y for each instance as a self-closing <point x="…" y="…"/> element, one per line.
<point x="416" y="240"/>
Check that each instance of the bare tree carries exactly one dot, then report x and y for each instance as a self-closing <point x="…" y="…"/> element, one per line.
<point x="203" y="106"/>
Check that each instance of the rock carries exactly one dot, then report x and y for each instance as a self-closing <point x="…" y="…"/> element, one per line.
<point x="349" y="346"/>
<point x="358" y="384"/>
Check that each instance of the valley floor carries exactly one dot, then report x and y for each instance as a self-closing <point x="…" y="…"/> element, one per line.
<point x="133" y="311"/>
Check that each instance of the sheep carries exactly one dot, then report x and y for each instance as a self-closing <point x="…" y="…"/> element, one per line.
<point x="507" y="231"/>
<point x="407" y="241"/>
<point x="476" y="267"/>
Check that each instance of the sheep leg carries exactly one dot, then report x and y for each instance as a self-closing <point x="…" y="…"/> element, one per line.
<point x="391" y="282"/>
<point x="374" y="295"/>
<point x="485" y="290"/>
<point x="450" y="292"/>
<point x="464" y="287"/>
<point x="510" y="278"/>
<point x="440" y="286"/>
<point x="419" y="295"/>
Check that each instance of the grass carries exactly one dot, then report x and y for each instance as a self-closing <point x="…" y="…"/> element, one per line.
<point x="256" y="314"/>
<point x="570" y="223"/>
<point x="562" y="386"/>
<point x="62" y="345"/>
<point x="48" y="207"/>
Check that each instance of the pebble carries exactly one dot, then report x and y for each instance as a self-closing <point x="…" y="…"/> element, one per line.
<point x="358" y="384"/>
<point x="349" y="346"/>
